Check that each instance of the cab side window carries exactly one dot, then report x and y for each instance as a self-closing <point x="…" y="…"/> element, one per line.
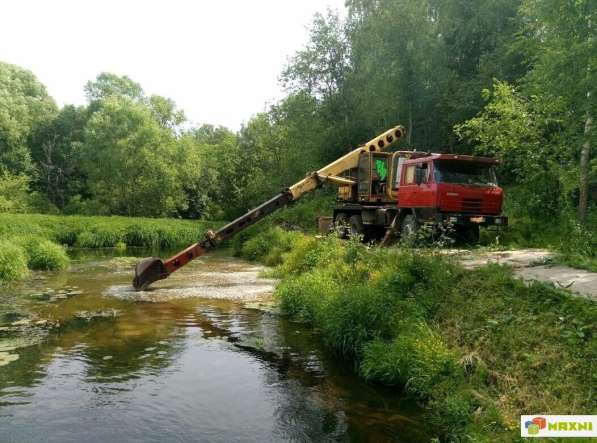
<point x="423" y="171"/>
<point x="409" y="176"/>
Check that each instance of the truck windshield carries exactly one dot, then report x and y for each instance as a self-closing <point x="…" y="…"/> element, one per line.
<point x="464" y="172"/>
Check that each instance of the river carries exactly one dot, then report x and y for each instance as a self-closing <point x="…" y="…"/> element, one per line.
<point x="203" y="356"/>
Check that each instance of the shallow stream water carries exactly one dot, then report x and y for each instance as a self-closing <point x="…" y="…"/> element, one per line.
<point x="203" y="356"/>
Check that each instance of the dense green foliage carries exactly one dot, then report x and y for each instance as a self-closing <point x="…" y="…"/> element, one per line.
<point x="509" y="78"/>
<point x="478" y="348"/>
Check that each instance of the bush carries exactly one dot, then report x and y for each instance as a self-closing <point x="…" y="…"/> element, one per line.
<point x="45" y="255"/>
<point x="270" y="245"/>
<point x="308" y="253"/>
<point x="13" y="261"/>
<point x="450" y="415"/>
<point x="303" y="296"/>
<point x="417" y="358"/>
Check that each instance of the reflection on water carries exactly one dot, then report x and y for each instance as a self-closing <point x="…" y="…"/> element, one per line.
<point x="98" y="362"/>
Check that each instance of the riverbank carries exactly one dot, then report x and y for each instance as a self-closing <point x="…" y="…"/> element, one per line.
<point x="477" y="348"/>
<point x="36" y="241"/>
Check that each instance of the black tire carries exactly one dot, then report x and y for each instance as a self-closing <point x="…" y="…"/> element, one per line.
<point x="356" y="226"/>
<point x="409" y="228"/>
<point x="341" y="225"/>
<point x="375" y="233"/>
<point x="468" y="235"/>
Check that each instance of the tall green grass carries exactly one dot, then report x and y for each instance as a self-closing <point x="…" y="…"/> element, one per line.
<point x="478" y="348"/>
<point x="98" y="232"/>
<point x="13" y="261"/>
<point x="43" y="254"/>
<point x="38" y="242"/>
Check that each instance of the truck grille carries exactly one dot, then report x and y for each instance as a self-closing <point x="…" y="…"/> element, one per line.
<point x="471" y="205"/>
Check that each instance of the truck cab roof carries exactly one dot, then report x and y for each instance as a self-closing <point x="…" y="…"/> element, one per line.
<point x="459" y="157"/>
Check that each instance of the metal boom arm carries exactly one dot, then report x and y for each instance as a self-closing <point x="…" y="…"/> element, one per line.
<point x="153" y="269"/>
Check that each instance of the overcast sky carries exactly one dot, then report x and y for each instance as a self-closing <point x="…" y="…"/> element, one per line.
<point x="218" y="59"/>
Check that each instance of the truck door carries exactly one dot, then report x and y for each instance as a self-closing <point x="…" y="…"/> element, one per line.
<point x="407" y="192"/>
<point x="426" y="190"/>
<point x="416" y="189"/>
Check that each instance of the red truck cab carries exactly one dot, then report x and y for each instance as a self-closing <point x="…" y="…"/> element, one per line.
<point x="449" y="188"/>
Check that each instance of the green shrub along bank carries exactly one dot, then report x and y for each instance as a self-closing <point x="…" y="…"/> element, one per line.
<point x="477" y="348"/>
<point x="43" y="254"/>
<point x="37" y="242"/>
<point x="13" y="261"/>
<point x="98" y="232"/>
<point x="20" y="254"/>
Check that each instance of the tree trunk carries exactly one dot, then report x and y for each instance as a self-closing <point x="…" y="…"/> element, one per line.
<point x="585" y="155"/>
<point x="585" y="152"/>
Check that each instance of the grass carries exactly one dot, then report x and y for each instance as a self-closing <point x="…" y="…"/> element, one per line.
<point x="477" y="348"/>
<point x="13" y="261"/>
<point x="44" y="255"/>
<point x="574" y="245"/>
<point x="98" y="232"/>
<point x="39" y="242"/>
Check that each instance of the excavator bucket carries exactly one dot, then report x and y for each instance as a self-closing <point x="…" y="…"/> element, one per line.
<point x="147" y="271"/>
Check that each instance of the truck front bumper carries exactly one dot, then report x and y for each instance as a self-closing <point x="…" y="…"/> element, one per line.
<point x="472" y="219"/>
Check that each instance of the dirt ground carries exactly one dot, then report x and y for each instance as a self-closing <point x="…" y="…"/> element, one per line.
<point x="533" y="264"/>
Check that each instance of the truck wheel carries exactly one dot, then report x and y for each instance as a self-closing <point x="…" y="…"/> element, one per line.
<point x="409" y="228"/>
<point x="341" y="225"/>
<point x="466" y="235"/>
<point x="470" y="235"/>
<point x="356" y="226"/>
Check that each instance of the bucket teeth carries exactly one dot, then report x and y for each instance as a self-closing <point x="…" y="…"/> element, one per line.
<point x="148" y="271"/>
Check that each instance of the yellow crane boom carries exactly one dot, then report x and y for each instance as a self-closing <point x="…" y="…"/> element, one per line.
<point x="152" y="269"/>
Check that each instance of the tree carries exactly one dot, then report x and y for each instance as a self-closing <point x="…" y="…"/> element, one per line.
<point x="526" y="135"/>
<point x="320" y="68"/>
<point x="165" y="112"/>
<point x="24" y="105"/>
<point x="399" y="69"/>
<point x="212" y="182"/>
<point x="565" y="69"/>
<point x="107" y="85"/>
<point x="128" y="158"/>
<point x="56" y="152"/>
<point x="14" y="192"/>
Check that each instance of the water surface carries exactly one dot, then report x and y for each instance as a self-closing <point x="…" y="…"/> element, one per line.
<point x="201" y="357"/>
